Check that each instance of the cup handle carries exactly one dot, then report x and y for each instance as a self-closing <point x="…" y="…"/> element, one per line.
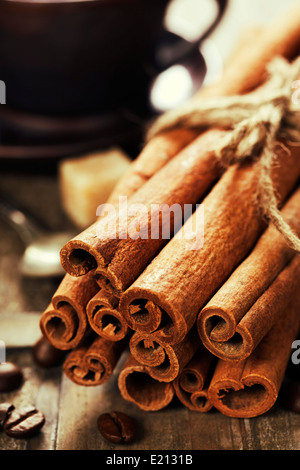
<point x="175" y="49"/>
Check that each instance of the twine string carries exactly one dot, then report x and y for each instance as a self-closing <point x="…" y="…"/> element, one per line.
<point x="258" y="120"/>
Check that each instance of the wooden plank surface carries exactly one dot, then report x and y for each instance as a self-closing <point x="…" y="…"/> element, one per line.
<point x="71" y="411"/>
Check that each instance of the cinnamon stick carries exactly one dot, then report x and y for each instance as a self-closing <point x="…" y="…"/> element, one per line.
<point x="249" y="388"/>
<point x="106" y="281"/>
<point x="64" y="323"/>
<point x="191" y="386"/>
<point x="84" y="253"/>
<point x="105" y="318"/>
<point x="138" y="387"/>
<point x="238" y="316"/>
<point x="93" y="363"/>
<point x="182" y="181"/>
<point x="244" y="71"/>
<point x="164" y="361"/>
<point x="181" y="280"/>
<point x="152" y="158"/>
<point x="246" y="68"/>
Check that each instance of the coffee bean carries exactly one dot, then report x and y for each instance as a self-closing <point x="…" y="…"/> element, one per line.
<point x="290" y="396"/>
<point x="24" y="423"/>
<point x="5" y="410"/>
<point x="116" y="427"/>
<point x="46" y="355"/>
<point x="11" y="377"/>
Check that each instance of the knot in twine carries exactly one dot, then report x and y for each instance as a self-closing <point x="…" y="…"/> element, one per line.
<point x="258" y="120"/>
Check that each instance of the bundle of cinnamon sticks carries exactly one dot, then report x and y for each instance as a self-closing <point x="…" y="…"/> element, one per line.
<point x="210" y="320"/>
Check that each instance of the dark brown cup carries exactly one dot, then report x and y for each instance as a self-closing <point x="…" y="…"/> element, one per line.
<point x="66" y="57"/>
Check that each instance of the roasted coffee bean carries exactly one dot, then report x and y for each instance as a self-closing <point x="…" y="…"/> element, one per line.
<point x="116" y="427"/>
<point x="45" y="355"/>
<point x="5" y="410"/>
<point x="24" y="423"/>
<point x="11" y="377"/>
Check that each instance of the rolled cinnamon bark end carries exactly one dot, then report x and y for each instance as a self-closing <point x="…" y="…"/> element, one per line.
<point x="64" y="323"/>
<point x="93" y="363"/>
<point x="257" y="321"/>
<point x="146" y="312"/>
<point x="147" y="351"/>
<point x="108" y="323"/>
<point x="165" y="362"/>
<point x="138" y="387"/>
<point x="250" y="387"/>
<point x="247" y="69"/>
<point x="200" y="402"/>
<point x="79" y="257"/>
<point x="231" y="343"/>
<point x="61" y="327"/>
<point x="191" y="386"/>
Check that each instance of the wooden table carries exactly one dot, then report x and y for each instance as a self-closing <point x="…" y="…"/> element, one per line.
<point x="71" y="411"/>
